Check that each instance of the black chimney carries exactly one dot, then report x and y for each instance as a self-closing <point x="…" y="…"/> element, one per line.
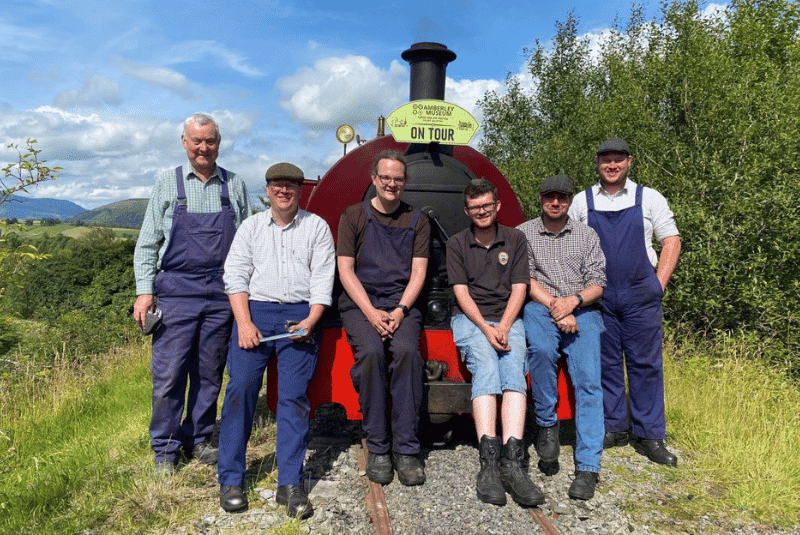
<point x="428" y="69"/>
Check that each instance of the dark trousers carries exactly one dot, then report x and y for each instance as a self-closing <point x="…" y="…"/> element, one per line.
<point x="635" y="330"/>
<point x="297" y="362"/>
<point x="190" y="346"/>
<point x="387" y="374"/>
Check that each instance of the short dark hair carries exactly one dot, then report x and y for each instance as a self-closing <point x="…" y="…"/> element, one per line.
<point x="395" y="155"/>
<point x="478" y="187"/>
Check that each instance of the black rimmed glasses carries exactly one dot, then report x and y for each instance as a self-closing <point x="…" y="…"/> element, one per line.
<point x="488" y="207"/>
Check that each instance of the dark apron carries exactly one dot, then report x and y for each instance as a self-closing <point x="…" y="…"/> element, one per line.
<point x="193" y="263"/>
<point x="383" y="265"/>
<point x="631" y="307"/>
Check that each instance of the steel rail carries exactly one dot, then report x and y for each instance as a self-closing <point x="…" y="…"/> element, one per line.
<point x="375" y="498"/>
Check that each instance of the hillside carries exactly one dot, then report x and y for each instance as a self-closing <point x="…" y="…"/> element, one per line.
<point x="122" y="214"/>
<point x="28" y="208"/>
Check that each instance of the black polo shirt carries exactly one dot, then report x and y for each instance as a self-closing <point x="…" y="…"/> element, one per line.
<point x="489" y="272"/>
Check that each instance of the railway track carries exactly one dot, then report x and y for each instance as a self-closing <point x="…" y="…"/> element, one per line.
<point x="376" y="505"/>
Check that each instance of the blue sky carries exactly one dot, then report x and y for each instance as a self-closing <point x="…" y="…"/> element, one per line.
<point x="105" y="86"/>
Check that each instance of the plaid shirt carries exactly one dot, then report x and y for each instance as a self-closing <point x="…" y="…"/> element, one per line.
<point x="201" y="197"/>
<point x="567" y="262"/>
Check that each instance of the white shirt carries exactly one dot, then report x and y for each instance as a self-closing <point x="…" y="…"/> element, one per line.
<point x="291" y="264"/>
<point x="659" y="221"/>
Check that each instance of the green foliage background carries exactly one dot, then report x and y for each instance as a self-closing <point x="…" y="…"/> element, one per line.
<point x="711" y="110"/>
<point x="82" y="291"/>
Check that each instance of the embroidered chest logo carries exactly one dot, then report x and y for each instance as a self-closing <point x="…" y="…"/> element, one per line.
<point x="503" y="258"/>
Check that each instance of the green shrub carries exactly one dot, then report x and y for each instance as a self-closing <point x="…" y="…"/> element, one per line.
<point x="704" y="104"/>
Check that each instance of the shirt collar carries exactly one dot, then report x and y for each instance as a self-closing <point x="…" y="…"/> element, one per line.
<point x="217" y="173"/>
<point x="499" y="235"/>
<point x="629" y="185"/>
<point x="294" y="222"/>
<point x="541" y="229"/>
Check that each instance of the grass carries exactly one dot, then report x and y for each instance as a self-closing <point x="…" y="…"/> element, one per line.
<point x="739" y="424"/>
<point x="66" y="431"/>
<point x="72" y="231"/>
<point x="75" y="456"/>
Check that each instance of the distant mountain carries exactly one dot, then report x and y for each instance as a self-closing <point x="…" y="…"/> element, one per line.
<point x="27" y="208"/>
<point x="124" y="214"/>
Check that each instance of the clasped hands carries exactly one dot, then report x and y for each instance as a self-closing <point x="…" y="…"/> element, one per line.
<point x="561" y="309"/>
<point x="386" y="323"/>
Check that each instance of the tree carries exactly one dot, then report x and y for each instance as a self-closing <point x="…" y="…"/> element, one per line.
<point x="27" y="171"/>
<point x="707" y="107"/>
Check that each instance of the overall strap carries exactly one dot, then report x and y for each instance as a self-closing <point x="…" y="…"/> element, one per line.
<point x="589" y="199"/>
<point x="223" y="196"/>
<point x="179" y="183"/>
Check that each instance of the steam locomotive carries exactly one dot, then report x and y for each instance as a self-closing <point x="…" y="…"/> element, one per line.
<point x="437" y="175"/>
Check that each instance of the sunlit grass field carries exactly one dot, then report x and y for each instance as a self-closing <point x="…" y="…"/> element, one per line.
<point x="68" y="230"/>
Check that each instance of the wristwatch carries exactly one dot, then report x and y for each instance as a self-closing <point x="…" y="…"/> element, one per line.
<point x="403" y="308"/>
<point x="580" y="298"/>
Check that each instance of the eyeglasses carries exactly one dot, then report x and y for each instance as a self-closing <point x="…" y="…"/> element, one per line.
<point x="288" y="186"/>
<point x="385" y="180"/>
<point x="488" y="207"/>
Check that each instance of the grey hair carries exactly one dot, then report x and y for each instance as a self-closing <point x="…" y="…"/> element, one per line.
<point x="201" y="119"/>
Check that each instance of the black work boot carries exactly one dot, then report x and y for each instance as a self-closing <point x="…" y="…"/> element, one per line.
<point x="655" y="450"/>
<point x="410" y="471"/>
<point x="515" y="479"/>
<point x="379" y="468"/>
<point x="583" y="485"/>
<point x="490" y="488"/>
<point x="547" y="445"/>
<point x="548" y="448"/>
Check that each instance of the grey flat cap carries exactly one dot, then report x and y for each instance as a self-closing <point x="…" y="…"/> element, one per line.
<point x="559" y="183"/>
<point x="614" y="144"/>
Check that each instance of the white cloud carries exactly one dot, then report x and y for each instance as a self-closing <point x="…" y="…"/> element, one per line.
<point x="96" y="90"/>
<point x="200" y="51"/>
<point x="348" y="89"/>
<point x="108" y="158"/>
<point x="159" y="77"/>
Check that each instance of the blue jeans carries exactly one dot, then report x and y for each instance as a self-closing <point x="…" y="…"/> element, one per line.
<point x="582" y="350"/>
<point x="493" y="371"/>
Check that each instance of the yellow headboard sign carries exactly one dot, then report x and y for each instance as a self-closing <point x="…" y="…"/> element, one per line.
<point x="427" y="121"/>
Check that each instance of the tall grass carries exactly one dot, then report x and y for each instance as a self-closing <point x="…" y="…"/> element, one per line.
<point x="66" y="430"/>
<point x="739" y="424"/>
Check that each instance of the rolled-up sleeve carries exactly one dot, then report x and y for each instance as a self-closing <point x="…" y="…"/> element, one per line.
<point x="595" y="262"/>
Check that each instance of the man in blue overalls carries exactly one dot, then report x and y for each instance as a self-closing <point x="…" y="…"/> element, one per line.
<point x="626" y="216"/>
<point x="188" y="227"/>
<point x="382" y="256"/>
